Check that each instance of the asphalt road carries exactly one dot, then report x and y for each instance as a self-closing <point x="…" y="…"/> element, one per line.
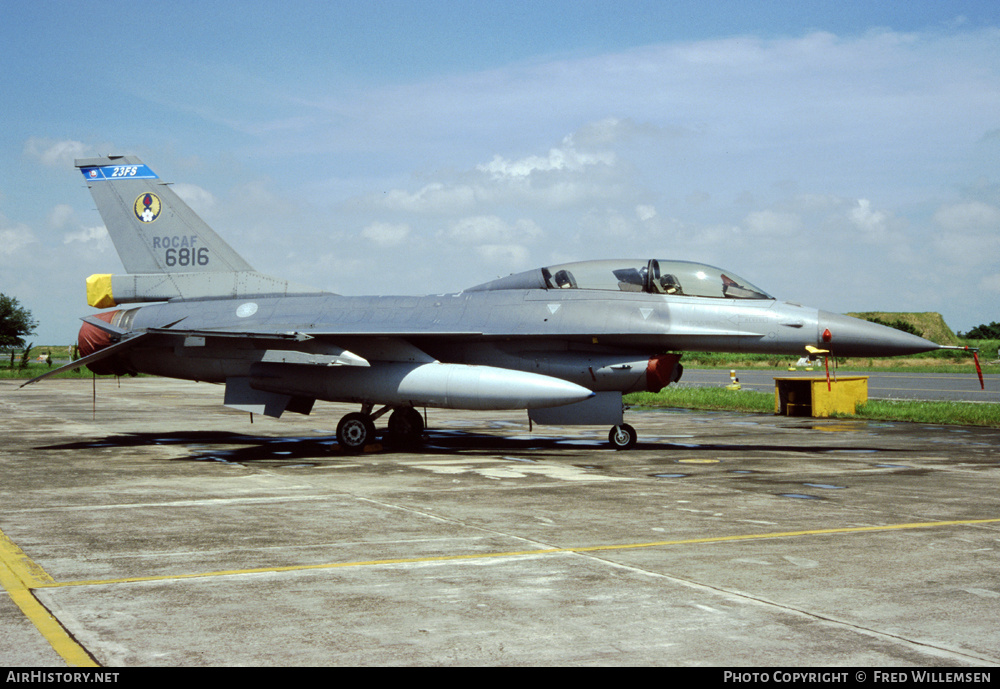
<point x="904" y="386"/>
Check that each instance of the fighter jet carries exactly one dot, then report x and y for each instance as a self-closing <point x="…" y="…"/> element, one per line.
<point x="564" y="342"/>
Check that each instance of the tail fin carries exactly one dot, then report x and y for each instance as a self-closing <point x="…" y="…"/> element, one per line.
<point x="153" y="230"/>
<point x="167" y="250"/>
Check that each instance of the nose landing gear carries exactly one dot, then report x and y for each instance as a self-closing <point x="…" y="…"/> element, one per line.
<point x="622" y="437"/>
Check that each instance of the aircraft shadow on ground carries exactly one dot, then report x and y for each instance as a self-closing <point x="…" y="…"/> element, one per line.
<point x="224" y="446"/>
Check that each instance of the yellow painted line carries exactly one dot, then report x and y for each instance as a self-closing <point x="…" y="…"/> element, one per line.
<point x="20" y="565"/>
<point x="521" y="553"/>
<point x="18" y="576"/>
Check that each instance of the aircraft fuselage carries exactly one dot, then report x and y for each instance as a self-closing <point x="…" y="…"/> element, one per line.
<point x="562" y="341"/>
<point x="573" y="335"/>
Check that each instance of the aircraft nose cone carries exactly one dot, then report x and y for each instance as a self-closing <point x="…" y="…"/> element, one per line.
<point x="855" y="337"/>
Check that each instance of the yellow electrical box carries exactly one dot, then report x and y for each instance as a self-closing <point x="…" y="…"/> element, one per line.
<point x="812" y="396"/>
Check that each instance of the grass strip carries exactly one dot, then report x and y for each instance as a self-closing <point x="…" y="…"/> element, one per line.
<point x="749" y="401"/>
<point x="35" y="370"/>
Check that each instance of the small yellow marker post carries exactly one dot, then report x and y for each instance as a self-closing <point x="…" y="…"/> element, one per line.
<point x="734" y="382"/>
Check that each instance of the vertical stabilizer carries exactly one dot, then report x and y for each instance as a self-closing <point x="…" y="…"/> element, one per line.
<point x="153" y="230"/>
<point x="167" y="250"/>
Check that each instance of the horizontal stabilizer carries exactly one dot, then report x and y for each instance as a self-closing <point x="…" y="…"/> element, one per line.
<point x="91" y="358"/>
<point x="100" y="324"/>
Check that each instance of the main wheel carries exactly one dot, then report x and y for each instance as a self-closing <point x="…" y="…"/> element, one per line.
<point x="355" y="431"/>
<point x="406" y="427"/>
<point x="622" y="437"/>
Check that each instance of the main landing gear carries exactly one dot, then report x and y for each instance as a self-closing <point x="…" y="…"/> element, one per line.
<point x="406" y="430"/>
<point x="354" y="431"/>
<point x="357" y="429"/>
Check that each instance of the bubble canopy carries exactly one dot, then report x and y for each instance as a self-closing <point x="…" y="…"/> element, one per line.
<point x="653" y="276"/>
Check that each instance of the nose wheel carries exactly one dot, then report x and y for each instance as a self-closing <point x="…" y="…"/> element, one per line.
<point x="622" y="437"/>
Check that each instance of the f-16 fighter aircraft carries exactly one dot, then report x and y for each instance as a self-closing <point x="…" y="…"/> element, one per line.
<point x="563" y="342"/>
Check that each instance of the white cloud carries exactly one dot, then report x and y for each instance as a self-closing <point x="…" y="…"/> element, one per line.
<point x="55" y="153"/>
<point x="645" y="212"/>
<point x="86" y="235"/>
<point x="507" y="256"/>
<point x="386" y="234"/>
<point x="199" y="199"/>
<point x="866" y="219"/>
<point x="61" y="215"/>
<point x="971" y="216"/>
<point x="773" y="224"/>
<point x="970" y="236"/>
<point x="567" y="177"/>
<point x="565" y="158"/>
<point x="612" y="131"/>
<point x="882" y="228"/>
<point x="491" y="229"/>
<point x="436" y="198"/>
<point x="13" y="239"/>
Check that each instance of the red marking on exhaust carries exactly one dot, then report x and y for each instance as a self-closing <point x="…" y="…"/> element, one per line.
<point x="91" y="338"/>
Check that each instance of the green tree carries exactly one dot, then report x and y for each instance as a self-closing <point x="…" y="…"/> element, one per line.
<point x="25" y="354"/>
<point x="15" y="322"/>
<point x="984" y="332"/>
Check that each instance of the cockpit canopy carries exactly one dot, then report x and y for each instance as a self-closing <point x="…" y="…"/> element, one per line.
<point x="680" y="278"/>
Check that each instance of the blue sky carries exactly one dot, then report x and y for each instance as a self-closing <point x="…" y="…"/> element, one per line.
<point x="845" y="155"/>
